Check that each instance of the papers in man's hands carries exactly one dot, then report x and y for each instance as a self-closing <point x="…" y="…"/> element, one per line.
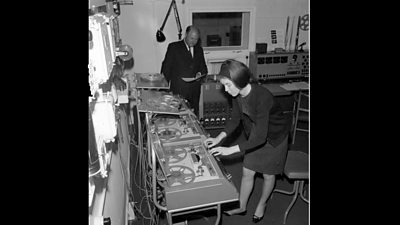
<point x="190" y="79"/>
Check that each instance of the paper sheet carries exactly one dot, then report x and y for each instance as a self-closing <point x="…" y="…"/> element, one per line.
<point x="190" y="79"/>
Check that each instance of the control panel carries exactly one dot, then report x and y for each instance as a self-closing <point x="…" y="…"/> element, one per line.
<point x="215" y="107"/>
<point x="281" y="65"/>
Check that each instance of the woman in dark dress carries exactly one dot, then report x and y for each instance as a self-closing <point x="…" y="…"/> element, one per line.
<point x="266" y="128"/>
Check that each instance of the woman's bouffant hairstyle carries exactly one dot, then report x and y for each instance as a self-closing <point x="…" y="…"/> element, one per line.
<point x="236" y="71"/>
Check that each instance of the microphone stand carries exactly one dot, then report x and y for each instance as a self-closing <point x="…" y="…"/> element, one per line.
<point x="178" y="22"/>
<point x="160" y="36"/>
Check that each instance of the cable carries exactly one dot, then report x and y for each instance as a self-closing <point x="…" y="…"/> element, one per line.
<point x="142" y="176"/>
<point x="142" y="164"/>
<point x="95" y="173"/>
<point x="90" y="167"/>
<point x="147" y="197"/>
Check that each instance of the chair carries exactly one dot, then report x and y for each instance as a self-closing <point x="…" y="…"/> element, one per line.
<point x="301" y="114"/>
<point x="296" y="168"/>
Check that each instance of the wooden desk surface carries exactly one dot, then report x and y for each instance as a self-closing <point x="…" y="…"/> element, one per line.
<point x="276" y="89"/>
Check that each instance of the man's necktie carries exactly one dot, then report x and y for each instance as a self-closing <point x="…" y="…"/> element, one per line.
<point x="190" y="51"/>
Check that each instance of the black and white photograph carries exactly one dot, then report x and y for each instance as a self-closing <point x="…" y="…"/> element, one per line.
<point x="198" y="112"/>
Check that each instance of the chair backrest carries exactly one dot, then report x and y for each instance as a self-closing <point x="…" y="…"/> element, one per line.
<point x="303" y="107"/>
<point x="303" y="101"/>
<point x="301" y="114"/>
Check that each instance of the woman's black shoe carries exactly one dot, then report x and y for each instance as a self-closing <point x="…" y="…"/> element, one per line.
<point x="257" y="219"/>
<point x="231" y="214"/>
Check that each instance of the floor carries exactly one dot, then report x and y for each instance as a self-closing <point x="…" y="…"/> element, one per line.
<point x="276" y="205"/>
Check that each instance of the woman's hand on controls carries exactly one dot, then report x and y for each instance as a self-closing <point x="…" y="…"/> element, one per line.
<point x="222" y="151"/>
<point x="211" y="142"/>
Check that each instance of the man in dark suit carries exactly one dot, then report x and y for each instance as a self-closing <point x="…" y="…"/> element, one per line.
<point x="185" y="58"/>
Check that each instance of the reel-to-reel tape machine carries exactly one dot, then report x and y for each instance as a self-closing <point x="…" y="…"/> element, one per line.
<point x="185" y="164"/>
<point x="177" y="128"/>
<point x="151" y="81"/>
<point x="160" y="102"/>
<point x="175" y="137"/>
<point x="186" y="169"/>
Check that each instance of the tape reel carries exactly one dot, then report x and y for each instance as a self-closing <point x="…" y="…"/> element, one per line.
<point x="181" y="175"/>
<point x="158" y="103"/>
<point x="151" y="76"/>
<point x="125" y="52"/>
<point x="175" y="154"/>
<point x="169" y="134"/>
<point x="163" y="122"/>
<point x="305" y="22"/>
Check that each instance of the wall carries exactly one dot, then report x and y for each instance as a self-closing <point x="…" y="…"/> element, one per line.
<point x="139" y="23"/>
<point x="272" y="14"/>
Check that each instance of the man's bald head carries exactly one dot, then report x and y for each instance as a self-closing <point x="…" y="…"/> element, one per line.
<point x="192" y="35"/>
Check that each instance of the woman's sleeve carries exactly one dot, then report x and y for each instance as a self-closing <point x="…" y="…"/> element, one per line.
<point x="259" y="131"/>
<point x="232" y="123"/>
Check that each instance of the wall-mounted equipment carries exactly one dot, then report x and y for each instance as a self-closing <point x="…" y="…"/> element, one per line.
<point x="101" y="50"/>
<point x="160" y="35"/>
<point x="280" y="65"/>
<point x="102" y="130"/>
<point x="109" y="196"/>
